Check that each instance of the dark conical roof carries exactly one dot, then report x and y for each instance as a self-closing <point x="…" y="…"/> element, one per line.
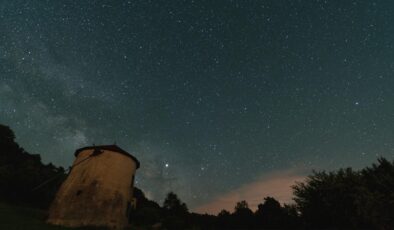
<point x="113" y="148"/>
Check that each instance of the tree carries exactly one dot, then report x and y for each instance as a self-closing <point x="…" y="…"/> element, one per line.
<point x="242" y="209"/>
<point x="21" y="171"/>
<point x="176" y="212"/>
<point x="348" y="199"/>
<point x="173" y="204"/>
<point x="270" y="213"/>
<point x="7" y="136"/>
<point x="270" y="205"/>
<point x="147" y="211"/>
<point x="327" y="199"/>
<point x="224" y="213"/>
<point x="375" y="202"/>
<point x="243" y="216"/>
<point x="224" y="220"/>
<point x="241" y="205"/>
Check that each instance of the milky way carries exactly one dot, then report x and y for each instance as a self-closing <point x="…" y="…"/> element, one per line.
<point x="210" y="96"/>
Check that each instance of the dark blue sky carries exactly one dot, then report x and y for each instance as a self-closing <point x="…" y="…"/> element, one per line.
<point x="209" y="95"/>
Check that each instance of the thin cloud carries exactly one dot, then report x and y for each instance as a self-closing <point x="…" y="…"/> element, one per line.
<point x="276" y="184"/>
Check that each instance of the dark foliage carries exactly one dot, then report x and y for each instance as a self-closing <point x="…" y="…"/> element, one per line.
<point x="21" y="172"/>
<point x="348" y="199"/>
<point x="147" y="212"/>
<point x="272" y="215"/>
<point x="174" y="215"/>
<point x="344" y="199"/>
<point x="175" y="212"/>
<point x="242" y="216"/>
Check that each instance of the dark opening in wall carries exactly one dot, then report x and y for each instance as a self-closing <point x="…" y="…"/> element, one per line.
<point x="132" y="181"/>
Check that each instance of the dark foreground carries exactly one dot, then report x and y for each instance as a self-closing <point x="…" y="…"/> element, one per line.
<point x="22" y="218"/>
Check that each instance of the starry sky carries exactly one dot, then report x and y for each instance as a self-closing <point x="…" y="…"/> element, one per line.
<point x="219" y="100"/>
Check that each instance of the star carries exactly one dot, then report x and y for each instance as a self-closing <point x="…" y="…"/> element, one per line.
<point x="235" y="89"/>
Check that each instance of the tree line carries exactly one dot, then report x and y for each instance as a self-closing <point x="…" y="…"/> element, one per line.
<point x="341" y="199"/>
<point x="21" y="172"/>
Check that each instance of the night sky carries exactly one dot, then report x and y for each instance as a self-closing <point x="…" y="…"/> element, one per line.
<point x="219" y="100"/>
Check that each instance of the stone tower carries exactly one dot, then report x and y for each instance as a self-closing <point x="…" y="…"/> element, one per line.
<point x="98" y="190"/>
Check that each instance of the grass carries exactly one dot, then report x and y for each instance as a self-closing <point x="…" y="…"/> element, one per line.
<point x="22" y="218"/>
<point x="15" y="218"/>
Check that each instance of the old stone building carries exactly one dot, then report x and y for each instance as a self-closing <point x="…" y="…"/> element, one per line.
<point x="98" y="190"/>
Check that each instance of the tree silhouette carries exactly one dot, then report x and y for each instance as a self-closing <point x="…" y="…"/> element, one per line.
<point x="173" y="204"/>
<point x="223" y="213"/>
<point x="175" y="212"/>
<point x="147" y="211"/>
<point x="243" y="216"/>
<point x="348" y="199"/>
<point x="375" y="201"/>
<point x="7" y="136"/>
<point x="270" y="214"/>
<point x="21" y="171"/>
<point x="343" y="199"/>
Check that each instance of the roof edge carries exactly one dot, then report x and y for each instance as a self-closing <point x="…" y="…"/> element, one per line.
<point x="113" y="148"/>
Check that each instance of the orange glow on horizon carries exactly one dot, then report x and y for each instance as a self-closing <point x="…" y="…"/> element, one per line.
<point x="277" y="185"/>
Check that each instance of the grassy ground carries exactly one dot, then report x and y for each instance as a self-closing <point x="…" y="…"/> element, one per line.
<point x="22" y="218"/>
<point x="14" y="217"/>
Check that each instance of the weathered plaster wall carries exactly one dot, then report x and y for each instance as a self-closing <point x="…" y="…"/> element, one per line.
<point x="96" y="191"/>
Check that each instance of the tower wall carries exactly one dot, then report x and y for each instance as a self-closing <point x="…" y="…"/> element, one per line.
<point x="97" y="191"/>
